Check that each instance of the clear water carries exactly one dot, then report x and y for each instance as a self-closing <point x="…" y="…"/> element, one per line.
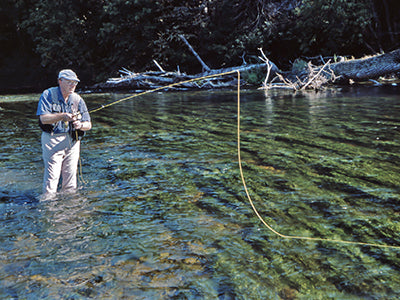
<point x="162" y="213"/>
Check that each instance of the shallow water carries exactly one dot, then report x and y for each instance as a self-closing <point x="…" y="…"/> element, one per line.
<point x="162" y="213"/>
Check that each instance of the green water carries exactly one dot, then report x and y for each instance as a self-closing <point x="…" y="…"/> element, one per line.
<point x="162" y="212"/>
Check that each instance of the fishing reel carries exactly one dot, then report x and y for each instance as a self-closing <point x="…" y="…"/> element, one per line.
<point x="76" y="116"/>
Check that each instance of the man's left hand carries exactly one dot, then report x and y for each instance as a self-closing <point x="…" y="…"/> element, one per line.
<point x="77" y="124"/>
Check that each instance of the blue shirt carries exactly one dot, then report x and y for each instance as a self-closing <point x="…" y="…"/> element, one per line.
<point x="52" y="101"/>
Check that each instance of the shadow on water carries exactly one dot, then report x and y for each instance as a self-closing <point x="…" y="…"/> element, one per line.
<point x="17" y="197"/>
<point x="162" y="213"/>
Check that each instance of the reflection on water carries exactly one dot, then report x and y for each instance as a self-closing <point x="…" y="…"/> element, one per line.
<point x="163" y="214"/>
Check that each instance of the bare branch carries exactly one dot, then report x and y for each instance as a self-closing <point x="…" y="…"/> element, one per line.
<point x="158" y="65"/>
<point x="315" y="76"/>
<point x="205" y="67"/>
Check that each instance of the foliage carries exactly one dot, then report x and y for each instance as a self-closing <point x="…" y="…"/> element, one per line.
<point x="126" y="31"/>
<point x="97" y="38"/>
<point x="62" y="39"/>
<point x="7" y="26"/>
<point x="341" y="26"/>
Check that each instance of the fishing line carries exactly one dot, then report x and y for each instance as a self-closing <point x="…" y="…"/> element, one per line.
<point x="162" y="88"/>
<point x="293" y="237"/>
<point x="80" y="172"/>
<point x="80" y="175"/>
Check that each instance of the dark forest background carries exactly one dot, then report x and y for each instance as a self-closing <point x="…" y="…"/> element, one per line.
<point x="96" y="38"/>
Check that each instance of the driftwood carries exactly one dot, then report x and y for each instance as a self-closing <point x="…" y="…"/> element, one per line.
<point x="368" y="68"/>
<point x="152" y="79"/>
<point x="354" y="70"/>
<point x="310" y="76"/>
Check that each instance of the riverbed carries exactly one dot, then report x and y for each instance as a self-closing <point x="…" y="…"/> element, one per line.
<point x="161" y="211"/>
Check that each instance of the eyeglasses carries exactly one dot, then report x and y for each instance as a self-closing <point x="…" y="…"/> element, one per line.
<point x="70" y="82"/>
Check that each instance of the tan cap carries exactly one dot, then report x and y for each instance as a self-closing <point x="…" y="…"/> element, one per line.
<point x="68" y="74"/>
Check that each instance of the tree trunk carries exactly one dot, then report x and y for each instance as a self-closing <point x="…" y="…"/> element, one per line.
<point x="368" y="68"/>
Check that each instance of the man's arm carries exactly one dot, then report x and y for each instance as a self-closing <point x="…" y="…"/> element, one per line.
<point x="54" y="118"/>
<point x="84" y="126"/>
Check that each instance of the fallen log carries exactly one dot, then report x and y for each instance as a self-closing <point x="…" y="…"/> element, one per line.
<point x="151" y="80"/>
<point x="354" y="70"/>
<point x="369" y="67"/>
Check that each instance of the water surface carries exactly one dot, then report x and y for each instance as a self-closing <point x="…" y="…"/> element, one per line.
<point x="161" y="212"/>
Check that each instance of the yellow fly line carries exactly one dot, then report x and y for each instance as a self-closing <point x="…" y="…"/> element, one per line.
<point x="313" y="239"/>
<point x="163" y="88"/>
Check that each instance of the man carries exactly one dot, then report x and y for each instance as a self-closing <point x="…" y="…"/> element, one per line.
<point x="63" y="117"/>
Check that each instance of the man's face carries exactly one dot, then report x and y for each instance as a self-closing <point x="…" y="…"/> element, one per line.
<point x="67" y="86"/>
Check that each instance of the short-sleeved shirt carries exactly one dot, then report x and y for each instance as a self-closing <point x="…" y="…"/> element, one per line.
<point x="52" y="101"/>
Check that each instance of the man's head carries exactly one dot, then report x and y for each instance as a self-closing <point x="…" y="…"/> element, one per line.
<point x="68" y="75"/>
<point x="67" y="80"/>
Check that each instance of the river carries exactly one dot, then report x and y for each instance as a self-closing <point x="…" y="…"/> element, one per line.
<point x="161" y="212"/>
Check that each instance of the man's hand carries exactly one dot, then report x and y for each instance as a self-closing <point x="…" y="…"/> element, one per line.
<point x="67" y="117"/>
<point x="53" y="118"/>
<point x="77" y="124"/>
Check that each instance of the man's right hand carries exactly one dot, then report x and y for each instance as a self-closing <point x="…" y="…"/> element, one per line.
<point x="67" y="117"/>
<point x="54" y="118"/>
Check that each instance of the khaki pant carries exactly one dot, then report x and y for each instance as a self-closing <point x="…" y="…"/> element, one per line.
<point x="60" y="156"/>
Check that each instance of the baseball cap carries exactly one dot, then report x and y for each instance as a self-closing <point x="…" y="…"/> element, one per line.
<point x="68" y="74"/>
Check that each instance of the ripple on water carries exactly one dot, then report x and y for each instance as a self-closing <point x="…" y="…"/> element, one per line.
<point x="163" y="213"/>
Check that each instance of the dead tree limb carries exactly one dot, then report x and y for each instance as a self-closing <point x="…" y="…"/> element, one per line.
<point x="205" y="67"/>
<point x="315" y="76"/>
<point x="158" y="66"/>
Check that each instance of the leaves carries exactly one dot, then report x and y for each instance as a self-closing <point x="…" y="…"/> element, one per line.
<point x="98" y="37"/>
<point x="341" y="26"/>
